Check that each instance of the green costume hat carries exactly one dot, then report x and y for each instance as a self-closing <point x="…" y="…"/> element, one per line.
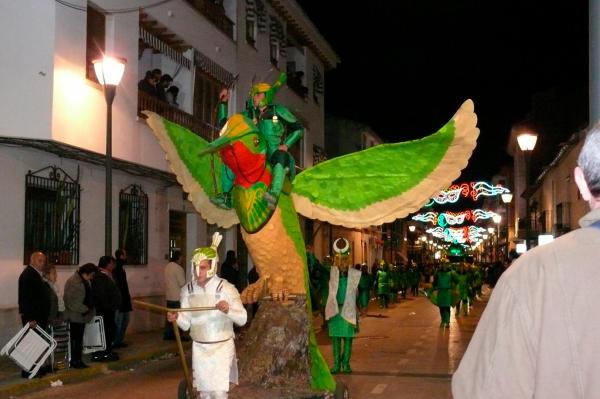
<point x="207" y="253"/>
<point x="269" y="90"/>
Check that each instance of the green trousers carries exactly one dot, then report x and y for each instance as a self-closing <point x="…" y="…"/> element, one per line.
<point x="341" y="360"/>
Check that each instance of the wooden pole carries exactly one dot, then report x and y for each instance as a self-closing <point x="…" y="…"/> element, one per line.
<point x="186" y="372"/>
<point x="165" y="309"/>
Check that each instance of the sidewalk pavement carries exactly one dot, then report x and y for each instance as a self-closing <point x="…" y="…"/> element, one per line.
<point x="142" y="347"/>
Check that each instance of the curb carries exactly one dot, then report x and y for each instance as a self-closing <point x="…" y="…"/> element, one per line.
<point x="68" y="376"/>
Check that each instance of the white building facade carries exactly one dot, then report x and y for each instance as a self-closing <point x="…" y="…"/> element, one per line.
<point x="52" y="141"/>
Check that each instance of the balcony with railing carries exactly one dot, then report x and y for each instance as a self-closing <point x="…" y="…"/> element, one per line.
<point x="173" y="114"/>
<point x="215" y="13"/>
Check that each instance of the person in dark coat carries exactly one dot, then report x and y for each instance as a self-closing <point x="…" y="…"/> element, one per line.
<point x="122" y="314"/>
<point x="148" y="84"/>
<point x="107" y="299"/>
<point x="79" y="309"/>
<point x="229" y="269"/>
<point x="34" y="297"/>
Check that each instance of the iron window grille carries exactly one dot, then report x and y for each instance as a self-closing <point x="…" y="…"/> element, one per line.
<point x="52" y="206"/>
<point x="133" y="224"/>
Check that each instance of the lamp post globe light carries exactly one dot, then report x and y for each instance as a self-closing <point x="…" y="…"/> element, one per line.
<point x="527" y="142"/>
<point x="109" y="71"/>
<point x="507" y="198"/>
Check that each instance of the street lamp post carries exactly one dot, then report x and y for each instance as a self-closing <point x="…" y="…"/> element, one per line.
<point x="109" y="71"/>
<point x="411" y="241"/>
<point x="497" y="219"/>
<point x="507" y="198"/>
<point x="527" y="144"/>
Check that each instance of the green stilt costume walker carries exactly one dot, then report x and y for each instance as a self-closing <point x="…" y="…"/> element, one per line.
<point x="281" y="130"/>
<point x="341" y="310"/>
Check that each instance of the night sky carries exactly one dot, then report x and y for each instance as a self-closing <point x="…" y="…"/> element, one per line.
<point x="409" y="64"/>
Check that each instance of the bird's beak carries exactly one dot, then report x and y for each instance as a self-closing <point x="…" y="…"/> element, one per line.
<point x="216" y="145"/>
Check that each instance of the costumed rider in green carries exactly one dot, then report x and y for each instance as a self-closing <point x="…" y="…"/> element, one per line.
<point x="442" y="283"/>
<point x="281" y="130"/>
<point x="341" y="310"/>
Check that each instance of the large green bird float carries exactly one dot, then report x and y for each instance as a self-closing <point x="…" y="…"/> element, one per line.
<point x="369" y="187"/>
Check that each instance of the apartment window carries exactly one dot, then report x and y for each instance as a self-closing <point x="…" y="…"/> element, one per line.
<point x="318" y="85"/>
<point x="251" y="24"/>
<point x="52" y="216"/>
<point x="96" y="32"/>
<point x="206" y="93"/>
<point x="276" y="41"/>
<point x="274" y="53"/>
<point x="133" y="224"/>
<point x="256" y="20"/>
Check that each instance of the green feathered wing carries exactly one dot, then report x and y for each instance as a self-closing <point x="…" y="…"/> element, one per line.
<point x="194" y="173"/>
<point x="389" y="181"/>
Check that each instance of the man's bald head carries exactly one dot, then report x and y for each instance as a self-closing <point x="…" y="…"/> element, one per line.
<point x="38" y="260"/>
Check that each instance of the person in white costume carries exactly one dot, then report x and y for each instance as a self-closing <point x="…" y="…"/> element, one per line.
<point x="214" y="363"/>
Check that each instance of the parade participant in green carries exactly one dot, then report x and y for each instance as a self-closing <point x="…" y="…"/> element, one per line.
<point x="281" y="130"/>
<point x="340" y="311"/>
<point x="462" y="280"/>
<point x="364" y="286"/>
<point x="318" y="279"/>
<point x="414" y="279"/>
<point x="383" y="278"/>
<point x="442" y="283"/>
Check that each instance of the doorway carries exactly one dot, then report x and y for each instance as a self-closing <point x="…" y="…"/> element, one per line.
<point x="177" y="234"/>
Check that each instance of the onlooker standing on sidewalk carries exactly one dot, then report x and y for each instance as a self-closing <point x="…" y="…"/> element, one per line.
<point x="79" y="309"/>
<point x="174" y="280"/>
<point x="57" y="305"/>
<point x="107" y="300"/>
<point x="122" y="314"/>
<point x="34" y="296"/>
<point x="538" y="336"/>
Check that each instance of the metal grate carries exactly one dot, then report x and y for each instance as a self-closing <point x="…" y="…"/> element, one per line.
<point x="133" y="224"/>
<point x="52" y="206"/>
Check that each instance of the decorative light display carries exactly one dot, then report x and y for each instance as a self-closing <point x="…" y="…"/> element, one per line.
<point x="457" y="234"/>
<point x="473" y="189"/>
<point x="429" y="217"/>
<point x="485" y="189"/>
<point x="454" y="218"/>
<point x="480" y="214"/>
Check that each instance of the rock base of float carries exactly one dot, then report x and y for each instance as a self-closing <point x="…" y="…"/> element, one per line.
<point x="272" y="353"/>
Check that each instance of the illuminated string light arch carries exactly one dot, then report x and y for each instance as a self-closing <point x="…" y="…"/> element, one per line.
<point x="473" y="190"/>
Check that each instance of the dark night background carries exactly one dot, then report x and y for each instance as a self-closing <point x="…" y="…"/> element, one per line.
<point x="406" y="66"/>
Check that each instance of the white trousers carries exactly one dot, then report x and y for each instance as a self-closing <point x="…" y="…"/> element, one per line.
<point x="213" y="395"/>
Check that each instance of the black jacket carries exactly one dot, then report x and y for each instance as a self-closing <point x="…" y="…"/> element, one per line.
<point x="120" y="277"/>
<point x="34" y="297"/>
<point x="105" y="293"/>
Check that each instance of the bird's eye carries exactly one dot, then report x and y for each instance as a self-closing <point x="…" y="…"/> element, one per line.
<point x="256" y="141"/>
